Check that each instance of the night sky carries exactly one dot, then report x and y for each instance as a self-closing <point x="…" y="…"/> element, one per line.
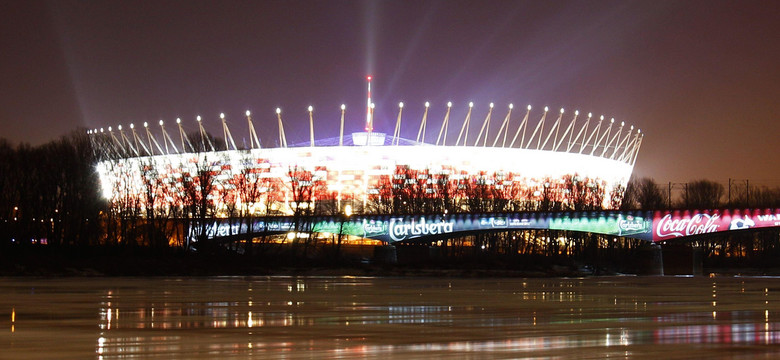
<point x="700" y="78"/>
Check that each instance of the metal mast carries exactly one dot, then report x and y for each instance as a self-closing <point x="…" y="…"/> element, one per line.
<point x="445" y="125"/>
<point x="423" y="123"/>
<point x="485" y="127"/>
<point x="465" y="126"/>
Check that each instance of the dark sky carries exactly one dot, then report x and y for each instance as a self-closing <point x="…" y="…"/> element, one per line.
<point x="700" y="78"/>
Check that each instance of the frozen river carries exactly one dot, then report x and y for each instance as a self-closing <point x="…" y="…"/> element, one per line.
<point x="349" y="317"/>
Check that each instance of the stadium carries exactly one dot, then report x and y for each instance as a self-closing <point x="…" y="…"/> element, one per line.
<point x="573" y="161"/>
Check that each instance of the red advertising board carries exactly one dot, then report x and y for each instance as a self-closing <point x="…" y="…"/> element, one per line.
<point x="669" y="225"/>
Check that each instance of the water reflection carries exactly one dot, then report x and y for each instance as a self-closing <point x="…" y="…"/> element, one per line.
<point x="288" y="317"/>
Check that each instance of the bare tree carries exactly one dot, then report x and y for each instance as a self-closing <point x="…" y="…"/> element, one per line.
<point x="703" y="194"/>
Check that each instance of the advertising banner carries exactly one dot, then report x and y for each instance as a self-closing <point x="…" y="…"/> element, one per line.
<point x="636" y="225"/>
<point x="644" y="225"/>
<point x="679" y="223"/>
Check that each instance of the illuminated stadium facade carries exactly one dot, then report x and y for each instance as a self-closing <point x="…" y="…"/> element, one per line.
<point x="573" y="164"/>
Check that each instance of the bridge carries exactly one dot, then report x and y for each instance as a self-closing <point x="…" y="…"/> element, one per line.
<point x="651" y="226"/>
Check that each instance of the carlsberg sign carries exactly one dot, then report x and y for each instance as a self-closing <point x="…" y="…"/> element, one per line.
<point x="402" y="230"/>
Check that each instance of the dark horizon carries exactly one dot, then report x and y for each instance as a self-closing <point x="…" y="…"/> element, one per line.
<point x="698" y="77"/>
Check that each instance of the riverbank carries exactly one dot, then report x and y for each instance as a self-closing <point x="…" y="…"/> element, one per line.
<point x="100" y="261"/>
<point x="89" y="261"/>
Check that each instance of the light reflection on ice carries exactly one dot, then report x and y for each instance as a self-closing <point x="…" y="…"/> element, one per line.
<point x="329" y="317"/>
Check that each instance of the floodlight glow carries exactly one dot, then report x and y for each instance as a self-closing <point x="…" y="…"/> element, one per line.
<point x="248" y="113"/>
<point x="561" y="110"/>
<point x="546" y="109"/>
<point x="101" y="129"/>
<point x="529" y="107"/>
<point x="373" y="105"/>
<point x="612" y="120"/>
<point x="311" y="108"/>
<point x="491" y="105"/>
<point x="343" y="107"/>
<point x="401" y="104"/>
<point x="622" y="123"/>
<point x="278" y="110"/>
<point x="109" y="129"/>
<point x="222" y="116"/>
<point x="178" y="120"/>
<point x="590" y="115"/>
<point x="576" y="112"/>
<point x="198" y="118"/>
<point x="119" y="127"/>
<point x="449" y="103"/>
<point x="511" y="106"/>
<point x="525" y="168"/>
<point x="471" y="104"/>
<point x="132" y="126"/>
<point x="602" y="117"/>
<point x="427" y="104"/>
<point x="161" y="122"/>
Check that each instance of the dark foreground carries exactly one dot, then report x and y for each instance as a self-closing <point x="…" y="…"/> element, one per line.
<point x="282" y="317"/>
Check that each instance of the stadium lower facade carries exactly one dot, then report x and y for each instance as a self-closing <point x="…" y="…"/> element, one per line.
<point x="384" y="175"/>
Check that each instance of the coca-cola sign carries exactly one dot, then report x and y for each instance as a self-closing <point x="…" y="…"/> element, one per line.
<point x="675" y="225"/>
